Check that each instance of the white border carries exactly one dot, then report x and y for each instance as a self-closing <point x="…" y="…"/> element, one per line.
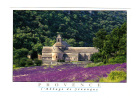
<point x="29" y="90"/>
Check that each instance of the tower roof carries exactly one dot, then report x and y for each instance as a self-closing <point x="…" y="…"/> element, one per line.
<point x="58" y="44"/>
<point x="56" y="50"/>
<point x="59" y="36"/>
<point x="65" y="44"/>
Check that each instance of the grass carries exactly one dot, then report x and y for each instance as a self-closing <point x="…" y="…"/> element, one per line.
<point x="114" y="76"/>
<point x="94" y="64"/>
<point x="90" y="81"/>
<point x="14" y="66"/>
<point x="98" y="64"/>
<point x="18" y="67"/>
<point x="76" y="61"/>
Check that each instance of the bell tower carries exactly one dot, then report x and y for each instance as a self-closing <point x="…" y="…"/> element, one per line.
<point x="59" y="39"/>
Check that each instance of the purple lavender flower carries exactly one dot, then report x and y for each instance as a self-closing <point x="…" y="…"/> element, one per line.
<point x="64" y="73"/>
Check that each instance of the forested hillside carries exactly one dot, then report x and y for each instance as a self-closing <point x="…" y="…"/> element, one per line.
<point x="34" y="29"/>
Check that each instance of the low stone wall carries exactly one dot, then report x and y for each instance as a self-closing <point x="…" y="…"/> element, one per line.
<point x="82" y="62"/>
<point x="60" y="63"/>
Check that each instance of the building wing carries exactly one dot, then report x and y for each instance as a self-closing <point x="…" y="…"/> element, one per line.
<point x="81" y="50"/>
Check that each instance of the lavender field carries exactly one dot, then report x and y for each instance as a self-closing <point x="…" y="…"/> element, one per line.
<point x="68" y="73"/>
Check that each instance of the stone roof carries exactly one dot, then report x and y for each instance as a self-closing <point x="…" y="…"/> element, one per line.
<point x="65" y="44"/>
<point x="58" y="44"/>
<point x="47" y="49"/>
<point x="56" y="50"/>
<point x="71" y="50"/>
<point x="81" y="50"/>
<point x="47" y="55"/>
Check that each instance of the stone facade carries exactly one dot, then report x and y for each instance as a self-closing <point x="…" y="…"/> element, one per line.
<point x="62" y="51"/>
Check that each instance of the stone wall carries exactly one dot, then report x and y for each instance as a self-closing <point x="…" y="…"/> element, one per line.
<point x="39" y="57"/>
<point x="71" y="56"/>
<point x="60" y="63"/>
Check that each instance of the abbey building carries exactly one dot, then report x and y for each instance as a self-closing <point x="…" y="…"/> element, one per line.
<point x="61" y="50"/>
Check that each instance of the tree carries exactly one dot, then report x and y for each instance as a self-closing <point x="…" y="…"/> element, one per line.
<point x="122" y="45"/>
<point x="33" y="29"/>
<point x="81" y="44"/>
<point x="19" y="53"/>
<point x="38" y="48"/>
<point x="71" y="42"/>
<point x="111" y="45"/>
<point x="98" y="40"/>
<point x="49" y="42"/>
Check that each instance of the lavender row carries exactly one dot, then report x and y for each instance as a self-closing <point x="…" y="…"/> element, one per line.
<point x="64" y="73"/>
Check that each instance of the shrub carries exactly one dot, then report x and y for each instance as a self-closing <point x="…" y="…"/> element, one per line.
<point x="22" y="62"/>
<point x="118" y="59"/>
<point x="16" y="61"/>
<point x="96" y="57"/>
<point x="29" y="62"/>
<point x="114" y="76"/>
<point x="14" y="66"/>
<point x="60" y="60"/>
<point x="37" y="62"/>
<point x="95" y="64"/>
